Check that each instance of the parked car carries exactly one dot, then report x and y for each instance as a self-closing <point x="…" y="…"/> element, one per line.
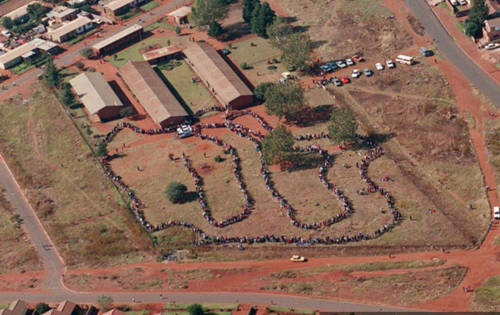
<point x="329" y="67"/>
<point x="349" y="62"/>
<point x="356" y="73"/>
<point x="336" y="81"/>
<point x="184" y="131"/>
<point x="491" y="46"/>
<point x="367" y="72"/>
<point x="344" y="80"/>
<point x="341" y="63"/>
<point x="379" y="66"/>
<point x="426" y="52"/>
<point x="462" y="2"/>
<point x="358" y="58"/>
<point x="390" y="64"/>
<point x="496" y="212"/>
<point x="297" y="258"/>
<point x="225" y="51"/>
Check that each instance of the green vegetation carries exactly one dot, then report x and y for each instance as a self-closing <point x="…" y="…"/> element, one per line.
<point x="105" y="302"/>
<point x="27" y="65"/>
<point x="157" y="24"/>
<point x="133" y="53"/>
<point x="285" y="100"/>
<point x="205" y="12"/>
<point x="149" y="6"/>
<point x="342" y="126"/>
<point x="82" y="36"/>
<point x="262" y="17"/>
<point x="279" y="30"/>
<point x="20" y="25"/>
<point x="195" y="309"/>
<point x="41" y="308"/>
<point x="51" y="74"/>
<point x="475" y="19"/>
<point x="277" y="145"/>
<point x="296" y="51"/>
<point x="287" y="310"/>
<point x="487" y="296"/>
<point x="129" y="14"/>
<point x="176" y="192"/>
<point x="214" y="29"/>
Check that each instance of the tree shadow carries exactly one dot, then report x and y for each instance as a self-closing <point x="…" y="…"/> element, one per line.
<point x="372" y="140"/>
<point x="190" y="196"/>
<point x="311" y="116"/>
<point x="304" y="161"/>
<point x="235" y="31"/>
<point x="300" y="28"/>
<point x="318" y="43"/>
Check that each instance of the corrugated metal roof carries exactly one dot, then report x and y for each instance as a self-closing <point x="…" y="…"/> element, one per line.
<point x="151" y="92"/>
<point x="117" y="4"/>
<point x="181" y="12"/>
<point x="214" y="70"/>
<point x="94" y="91"/>
<point x="16" y="52"/>
<point x="113" y="38"/>
<point x="19" y="12"/>
<point x="161" y="52"/>
<point x="68" y="27"/>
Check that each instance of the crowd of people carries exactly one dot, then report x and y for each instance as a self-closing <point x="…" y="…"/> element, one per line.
<point x="255" y="136"/>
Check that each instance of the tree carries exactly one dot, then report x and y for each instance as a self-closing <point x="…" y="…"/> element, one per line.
<point x="473" y="28"/>
<point x="35" y="10"/>
<point x="342" y="126"/>
<point x="195" y="309"/>
<point x="86" y="52"/>
<point x="248" y="6"/>
<point x="205" y="12"/>
<point x="102" y="148"/>
<point x="277" y="145"/>
<point x="177" y="30"/>
<point x="285" y="100"/>
<point x="215" y="29"/>
<point x="7" y="23"/>
<point x="262" y="16"/>
<point x="279" y="30"/>
<point x="296" y="51"/>
<point x="176" y="192"/>
<point x="105" y="302"/>
<point x="261" y="90"/>
<point x="67" y="97"/>
<point x="52" y="74"/>
<point x="477" y="15"/>
<point x="41" y="308"/>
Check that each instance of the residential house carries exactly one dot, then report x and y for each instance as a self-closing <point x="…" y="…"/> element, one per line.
<point x="64" y="308"/>
<point x="62" y="13"/>
<point x="491" y="30"/>
<point x="124" y="37"/>
<point x="20" y="13"/>
<point x="26" y="51"/>
<point x="18" y="307"/>
<point x="180" y="16"/>
<point x="119" y="7"/>
<point x="71" y="29"/>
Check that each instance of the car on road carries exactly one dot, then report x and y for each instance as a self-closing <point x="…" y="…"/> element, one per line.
<point x="349" y="62"/>
<point x="496" y="212"/>
<point x="336" y="81"/>
<point x="356" y="73"/>
<point x="341" y="64"/>
<point x="297" y="258"/>
<point x="491" y="46"/>
<point x="344" y="80"/>
<point x="379" y="66"/>
<point x="368" y="72"/>
<point x="390" y="64"/>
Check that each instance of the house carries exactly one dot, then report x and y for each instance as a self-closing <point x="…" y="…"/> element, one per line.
<point x="124" y="37"/>
<point x="26" y="51"/>
<point x="17" y="307"/>
<point x="156" y="55"/>
<point x="114" y="312"/>
<point x="218" y="76"/>
<point x="70" y="29"/>
<point x="62" y="13"/>
<point x="491" y="30"/>
<point x="119" y="7"/>
<point x="64" y="308"/>
<point x="97" y="96"/>
<point x="180" y="16"/>
<point x="493" y="8"/>
<point x="161" y="105"/>
<point x="20" y="13"/>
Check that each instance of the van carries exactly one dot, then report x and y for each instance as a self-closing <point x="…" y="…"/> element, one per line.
<point x="426" y="52"/>
<point x="496" y="212"/>
<point x="405" y="59"/>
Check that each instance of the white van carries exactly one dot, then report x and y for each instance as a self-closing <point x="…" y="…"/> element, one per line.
<point x="496" y="212"/>
<point x="405" y="59"/>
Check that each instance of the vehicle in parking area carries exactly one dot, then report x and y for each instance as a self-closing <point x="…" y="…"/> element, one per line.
<point x="390" y="64"/>
<point x="329" y="67"/>
<point x="491" y="46"/>
<point x="358" y="58"/>
<point x="379" y="66"/>
<point x="405" y="59"/>
<point x="349" y="62"/>
<point x="496" y="212"/>
<point x="341" y="63"/>
<point x="336" y="81"/>
<point x="462" y="2"/>
<point x="344" y="80"/>
<point x="356" y="73"/>
<point x="426" y="52"/>
<point x="453" y="2"/>
<point x="184" y="131"/>
<point x="367" y="72"/>
<point x="297" y="258"/>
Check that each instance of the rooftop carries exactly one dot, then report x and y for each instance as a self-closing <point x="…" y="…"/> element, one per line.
<point x="19" y="12"/>
<point x="17" y="52"/>
<point x="117" y="4"/>
<point x="113" y="38"/>
<point x="181" y="12"/>
<point x="161" y="52"/>
<point x="60" y="12"/>
<point x="69" y="27"/>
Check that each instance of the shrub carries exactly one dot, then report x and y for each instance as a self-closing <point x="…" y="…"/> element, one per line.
<point x="176" y="192"/>
<point x="218" y="159"/>
<point x="79" y="65"/>
<point x="272" y="67"/>
<point x="195" y="309"/>
<point x="245" y="66"/>
<point x="87" y="52"/>
<point x="41" y="308"/>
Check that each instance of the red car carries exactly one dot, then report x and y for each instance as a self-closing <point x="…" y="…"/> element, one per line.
<point x="344" y="80"/>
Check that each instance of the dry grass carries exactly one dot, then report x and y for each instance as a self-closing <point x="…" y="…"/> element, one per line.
<point x="487" y="296"/>
<point x="18" y="254"/>
<point x="66" y="185"/>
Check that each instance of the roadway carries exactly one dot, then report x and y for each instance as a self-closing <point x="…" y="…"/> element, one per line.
<point x="449" y="48"/>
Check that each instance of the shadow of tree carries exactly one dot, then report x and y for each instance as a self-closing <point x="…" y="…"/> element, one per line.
<point x="235" y="31"/>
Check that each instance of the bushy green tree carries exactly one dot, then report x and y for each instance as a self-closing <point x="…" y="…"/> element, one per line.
<point x="67" y="97"/>
<point x="204" y="12"/>
<point x="7" y="23"/>
<point x="285" y="100"/>
<point x="261" y="90"/>
<point x="296" y="51"/>
<point x="36" y="10"/>
<point x="195" y="309"/>
<point x="277" y="145"/>
<point x="86" y="52"/>
<point x="477" y="15"/>
<point x="248" y="6"/>
<point x="102" y="148"/>
<point x="342" y="126"/>
<point x="215" y="29"/>
<point x="262" y="16"/>
<point x="279" y="30"/>
<point x="105" y="302"/>
<point x="176" y="192"/>
<point x="41" y="308"/>
<point x="52" y="74"/>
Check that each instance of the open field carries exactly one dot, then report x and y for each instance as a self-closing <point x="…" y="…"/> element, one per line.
<point x="487" y="296"/>
<point x="18" y="254"/>
<point x="395" y="289"/>
<point x="65" y="184"/>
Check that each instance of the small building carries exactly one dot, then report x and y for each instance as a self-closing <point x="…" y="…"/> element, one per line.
<point x="180" y="16"/>
<point x="161" y="105"/>
<point x="97" y="96"/>
<point x="28" y="50"/>
<point x="491" y="30"/>
<point x="119" y="7"/>
<point x="124" y="37"/>
<point x="493" y="8"/>
<point x="71" y="29"/>
<point x="218" y="76"/>
<point x="62" y="13"/>
<point x="20" y="13"/>
<point x="114" y="312"/>
<point x="64" y="308"/>
<point x="156" y="55"/>
<point x="17" y="307"/>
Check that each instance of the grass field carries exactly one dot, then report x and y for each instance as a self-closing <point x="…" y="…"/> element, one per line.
<point x="149" y="6"/>
<point x="75" y="201"/>
<point x="395" y="289"/>
<point x="487" y="296"/>
<point x="18" y="254"/>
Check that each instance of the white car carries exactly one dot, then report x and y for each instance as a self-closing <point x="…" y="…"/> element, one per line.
<point x="462" y="2"/>
<point x="379" y="66"/>
<point x="341" y="64"/>
<point x="349" y="62"/>
<point x="496" y="212"/>
<point x="491" y="46"/>
<point x="297" y="258"/>
<point x="184" y="131"/>
<point x="356" y="73"/>
<point x="390" y="64"/>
